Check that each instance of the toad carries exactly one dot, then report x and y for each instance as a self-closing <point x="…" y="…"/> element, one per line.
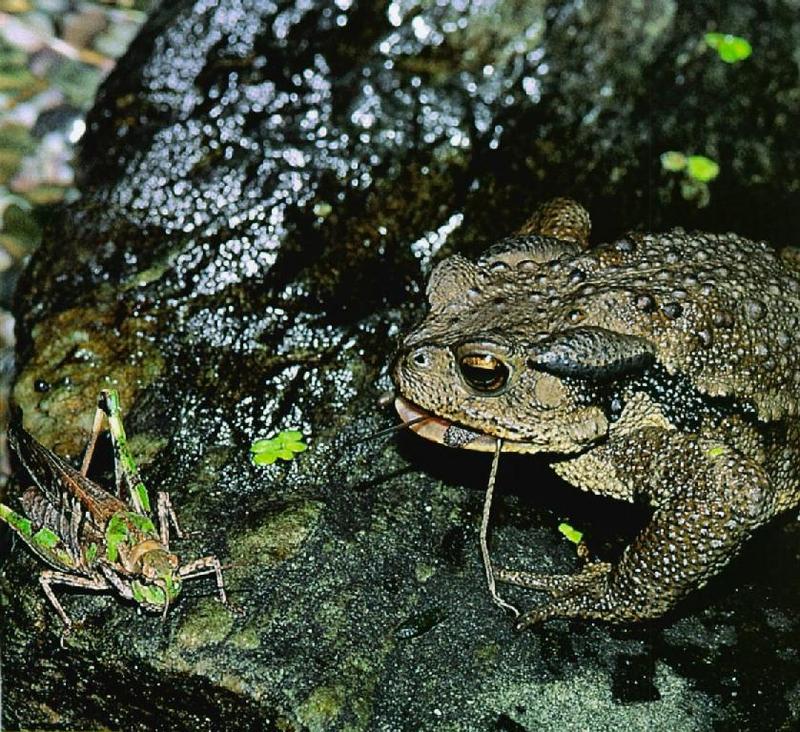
<point x="659" y="367"/>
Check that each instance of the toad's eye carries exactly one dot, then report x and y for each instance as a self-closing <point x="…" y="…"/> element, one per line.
<point x="483" y="372"/>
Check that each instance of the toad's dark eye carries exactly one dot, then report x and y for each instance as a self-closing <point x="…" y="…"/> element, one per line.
<point x="483" y="372"/>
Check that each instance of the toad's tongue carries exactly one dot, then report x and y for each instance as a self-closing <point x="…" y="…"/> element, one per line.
<point x="439" y="430"/>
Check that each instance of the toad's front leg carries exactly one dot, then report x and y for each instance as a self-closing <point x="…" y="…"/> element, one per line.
<point x="708" y="499"/>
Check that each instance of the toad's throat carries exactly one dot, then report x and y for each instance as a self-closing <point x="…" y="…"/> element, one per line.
<point x="438" y="429"/>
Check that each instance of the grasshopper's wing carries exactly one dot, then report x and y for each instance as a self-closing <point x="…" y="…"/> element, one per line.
<point x="58" y="481"/>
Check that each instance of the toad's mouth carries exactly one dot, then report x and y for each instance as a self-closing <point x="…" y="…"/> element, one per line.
<point x="444" y="432"/>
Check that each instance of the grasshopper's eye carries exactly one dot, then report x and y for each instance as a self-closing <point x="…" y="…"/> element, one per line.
<point x="483" y="371"/>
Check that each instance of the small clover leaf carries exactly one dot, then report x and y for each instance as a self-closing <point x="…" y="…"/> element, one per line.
<point x="731" y="49"/>
<point x="571" y="533"/>
<point x="702" y="168"/>
<point x="284" y="446"/>
<point x="693" y="174"/>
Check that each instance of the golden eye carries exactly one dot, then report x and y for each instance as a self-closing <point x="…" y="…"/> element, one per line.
<point x="483" y="372"/>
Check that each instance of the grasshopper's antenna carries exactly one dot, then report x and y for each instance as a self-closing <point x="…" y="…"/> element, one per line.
<point x="487" y="560"/>
<point x="396" y="427"/>
<point x="386" y="431"/>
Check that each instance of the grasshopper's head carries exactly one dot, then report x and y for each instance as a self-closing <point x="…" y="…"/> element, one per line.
<point x="162" y="584"/>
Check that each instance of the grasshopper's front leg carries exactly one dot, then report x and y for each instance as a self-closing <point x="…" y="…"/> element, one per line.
<point x="166" y="513"/>
<point x="49" y="577"/>
<point x="203" y="566"/>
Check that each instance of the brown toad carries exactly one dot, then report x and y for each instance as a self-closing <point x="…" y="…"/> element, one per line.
<point x="660" y="367"/>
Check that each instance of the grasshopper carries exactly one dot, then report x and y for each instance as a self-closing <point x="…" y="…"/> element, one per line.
<point x="92" y="538"/>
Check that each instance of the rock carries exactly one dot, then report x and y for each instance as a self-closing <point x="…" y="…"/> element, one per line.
<point x="264" y="189"/>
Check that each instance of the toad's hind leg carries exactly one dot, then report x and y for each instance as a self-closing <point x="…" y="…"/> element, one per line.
<point x="708" y="497"/>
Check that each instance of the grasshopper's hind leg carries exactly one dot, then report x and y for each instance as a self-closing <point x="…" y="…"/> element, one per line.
<point x="203" y="566"/>
<point x="97" y="428"/>
<point x="124" y="464"/>
<point x="48" y="578"/>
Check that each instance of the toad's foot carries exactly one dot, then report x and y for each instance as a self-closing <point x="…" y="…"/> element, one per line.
<point x="584" y="593"/>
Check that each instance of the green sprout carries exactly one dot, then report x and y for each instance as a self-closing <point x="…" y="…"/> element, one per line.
<point x="697" y="171"/>
<point x="697" y="167"/>
<point x="283" y="446"/>
<point x="701" y="168"/>
<point x="572" y="534"/>
<point x="731" y="49"/>
<point x="673" y="162"/>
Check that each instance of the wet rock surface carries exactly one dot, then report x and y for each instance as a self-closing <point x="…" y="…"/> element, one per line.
<point x="265" y="186"/>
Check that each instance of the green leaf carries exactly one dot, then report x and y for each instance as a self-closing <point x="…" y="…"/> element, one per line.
<point x="264" y="458"/>
<point x="673" y="161"/>
<point x="283" y="446"/>
<point x="20" y="233"/>
<point x="15" y="143"/>
<point x="322" y="209"/>
<point x="731" y="49"/>
<point x="573" y="535"/>
<point x="701" y="168"/>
